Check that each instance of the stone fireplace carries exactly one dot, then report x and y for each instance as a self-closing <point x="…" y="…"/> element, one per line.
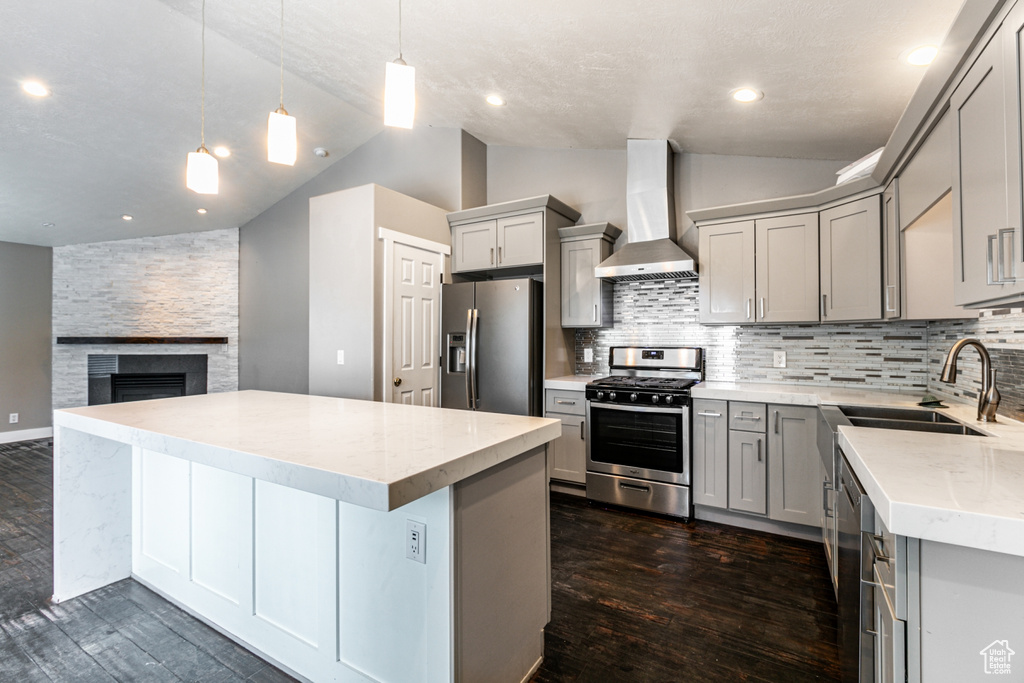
<point x="117" y="378"/>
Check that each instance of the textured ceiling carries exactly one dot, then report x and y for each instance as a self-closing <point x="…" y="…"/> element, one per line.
<point x="577" y="73"/>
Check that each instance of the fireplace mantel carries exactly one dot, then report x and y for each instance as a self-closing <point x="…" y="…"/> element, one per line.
<point x="142" y="340"/>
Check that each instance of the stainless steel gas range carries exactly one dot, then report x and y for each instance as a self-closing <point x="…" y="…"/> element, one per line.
<point x="638" y="439"/>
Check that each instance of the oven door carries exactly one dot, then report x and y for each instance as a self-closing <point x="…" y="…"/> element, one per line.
<point x="642" y="442"/>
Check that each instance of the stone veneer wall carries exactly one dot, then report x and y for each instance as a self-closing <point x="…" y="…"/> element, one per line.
<point x="175" y="285"/>
<point x="894" y="356"/>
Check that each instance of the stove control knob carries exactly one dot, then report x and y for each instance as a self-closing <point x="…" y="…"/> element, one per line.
<point x="655" y="398"/>
<point x="668" y="399"/>
<point x="632" y="397"/>
<point x="600" y="396"/>
<point x="611" y="396"/>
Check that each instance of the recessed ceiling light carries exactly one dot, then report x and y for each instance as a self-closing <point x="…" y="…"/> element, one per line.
<point x="495" y="100"/>
<point x="921" y="56"/>
<point x="126" y="217"/>
<point x="746" y="95"/>
<point x="35" y="88"/>
<point x="200" y="210"/>
<point x="222" y="151"/>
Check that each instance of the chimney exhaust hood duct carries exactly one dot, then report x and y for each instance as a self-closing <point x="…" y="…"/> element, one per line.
<point x="651" y="252"/>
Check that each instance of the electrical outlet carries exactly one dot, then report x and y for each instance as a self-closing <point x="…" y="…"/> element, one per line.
<point x="416" y="541"/>
<point x="341" y="357"/>
<point x="14" y="418"/>
<point x="779" y="361"/>
<point x="588" y="355"/>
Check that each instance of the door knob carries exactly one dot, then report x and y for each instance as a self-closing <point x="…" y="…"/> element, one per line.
<point x="398" y="381"/>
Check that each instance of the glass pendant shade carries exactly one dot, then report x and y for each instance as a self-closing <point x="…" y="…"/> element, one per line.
<point x="399" y="94"/>
<point x="201" y="172"/>
<point x="282" y="145"/>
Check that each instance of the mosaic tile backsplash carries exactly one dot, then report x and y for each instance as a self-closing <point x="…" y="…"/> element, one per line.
<point x="894" y="356"/>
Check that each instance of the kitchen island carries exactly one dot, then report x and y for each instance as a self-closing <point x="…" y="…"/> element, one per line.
<point x="286" y="521"/>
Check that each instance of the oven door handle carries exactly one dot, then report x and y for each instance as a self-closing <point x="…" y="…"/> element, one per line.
<point x="637" y="409"/>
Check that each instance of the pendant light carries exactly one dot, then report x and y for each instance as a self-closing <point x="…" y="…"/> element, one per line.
<point x="282" y="145"/>
<point x="201" y="169"/>
<point x="399" y="87"/>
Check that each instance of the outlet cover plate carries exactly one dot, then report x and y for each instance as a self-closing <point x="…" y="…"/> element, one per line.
<point x="779" y="359"/>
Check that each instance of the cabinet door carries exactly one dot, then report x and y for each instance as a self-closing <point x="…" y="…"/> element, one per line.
<point x="892" y="291"/>
<point x="748" y="465"/>
<point x="569" y="452"/>
<point x="851" y="261"/>
<point x="473" y="246"/>
<point x="710" y="454"/>
<point x="984" y="224"/>
<point x="726" y="288"/>
<point x="520" y="240"/>
<point x="786" y="269"/>
<point x="794" y="476"/>
<point x="583" y="295"/>
<point x="890" y="640"/>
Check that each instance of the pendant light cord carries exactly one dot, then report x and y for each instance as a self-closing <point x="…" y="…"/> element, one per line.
<point x="282" y="53"/>
<point x="202" y="106"/>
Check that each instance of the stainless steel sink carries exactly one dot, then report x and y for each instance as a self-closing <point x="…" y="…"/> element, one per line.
<point x="901" y="414"/>
<point x="945" y="426"/>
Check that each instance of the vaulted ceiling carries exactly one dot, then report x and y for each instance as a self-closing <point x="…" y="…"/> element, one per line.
<point x="125" y="74"/>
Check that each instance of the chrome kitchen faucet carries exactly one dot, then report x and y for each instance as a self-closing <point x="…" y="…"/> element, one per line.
<point x="988" y="399"/>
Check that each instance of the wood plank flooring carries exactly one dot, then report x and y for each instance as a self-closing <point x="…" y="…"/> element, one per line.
<point x="635" y="598"/>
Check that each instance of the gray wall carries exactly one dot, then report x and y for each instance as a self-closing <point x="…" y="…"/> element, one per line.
<point x="26" y="274"/>
<point x="426" y="163"/>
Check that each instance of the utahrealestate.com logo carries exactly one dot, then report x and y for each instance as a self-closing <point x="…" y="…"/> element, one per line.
<point x="997" y="657"/>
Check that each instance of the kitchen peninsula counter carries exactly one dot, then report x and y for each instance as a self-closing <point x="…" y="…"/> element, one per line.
<point x="286" y="521"/>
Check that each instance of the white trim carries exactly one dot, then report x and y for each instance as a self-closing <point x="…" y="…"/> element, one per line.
<point x="26" y="435"/>
<point x="413" y="241"/>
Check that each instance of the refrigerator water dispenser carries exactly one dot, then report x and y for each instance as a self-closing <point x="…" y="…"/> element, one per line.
<point x="457" y="352"/>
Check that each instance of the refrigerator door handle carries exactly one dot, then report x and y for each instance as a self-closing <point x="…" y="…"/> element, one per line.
<point x="469" y="358"/>
<point x="475" y="316"/>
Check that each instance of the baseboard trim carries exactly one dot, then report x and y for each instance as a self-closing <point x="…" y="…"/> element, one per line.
<point x="26" y="435"/>
<point x="755" y="523"/>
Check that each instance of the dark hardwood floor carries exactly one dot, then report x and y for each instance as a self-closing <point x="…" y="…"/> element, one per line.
<point x="635" y="598"/>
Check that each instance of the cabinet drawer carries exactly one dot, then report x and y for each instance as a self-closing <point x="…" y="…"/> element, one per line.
<point x="747" y="417"/>
<point x="570" y="402"/>
<point x="889" y="554"/>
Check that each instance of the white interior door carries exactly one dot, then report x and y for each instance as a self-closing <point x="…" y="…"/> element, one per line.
<point x="414" y="319"/>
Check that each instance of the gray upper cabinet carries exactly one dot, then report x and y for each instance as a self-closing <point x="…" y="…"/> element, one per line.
<point x="794" y="477"/>
<point x="786" y="269"/>
<point x="473" y="246"/>
<point x="851" y="261"/>
<point x="726" y="287"/>
<point x="986" y="136"/>
<point x="891" y="290"/>
<point x="710" y="453"/>
<point x="520" y="240"/>
<point x="586" y="300"/>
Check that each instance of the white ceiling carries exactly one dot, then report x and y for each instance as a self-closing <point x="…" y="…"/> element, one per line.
<point x="124" y="113"/>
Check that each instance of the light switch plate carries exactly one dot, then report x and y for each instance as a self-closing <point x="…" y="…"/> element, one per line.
<point x="13" y="418"/>
<point x="779" y="361"/>
<point x="341" y="357"/>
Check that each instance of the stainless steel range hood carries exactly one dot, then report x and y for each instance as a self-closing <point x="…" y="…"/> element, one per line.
<point x="651" y="252"/>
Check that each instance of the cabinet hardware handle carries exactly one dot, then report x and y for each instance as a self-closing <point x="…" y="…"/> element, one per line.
<point x="583" y="434"/>
<point x="710" y="414"/>
<point x="492" y="256"/>
<point x="632" y="487"/>
<point x="776" y="421"/>
<point x="595" y="313"/>
<point x="1000" y="277"/>
<point x="888" y="307"/>
<point x="499" y="254"/>
<point x="762" y="308"/>
<point x="749" y="301"/>
<point x="759" y="449"/>
<point x="754" y="418"/>
<point x="563" y="402"/>
<point x="824" y="305"/>
<point x="879" y="551"/>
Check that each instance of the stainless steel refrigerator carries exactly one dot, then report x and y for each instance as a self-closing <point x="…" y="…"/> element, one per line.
<point x="492" y="338"/>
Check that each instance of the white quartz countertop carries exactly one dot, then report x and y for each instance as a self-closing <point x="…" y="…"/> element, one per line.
<point x="377" y="455"/>
<point x="963" y="490"/>
<point x="570" y="382"/>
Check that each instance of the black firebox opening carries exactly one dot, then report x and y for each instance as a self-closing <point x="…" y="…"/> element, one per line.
<point x="141" y="387"/>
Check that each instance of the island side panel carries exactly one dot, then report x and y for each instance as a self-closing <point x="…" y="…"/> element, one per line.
<point x="502" y="570"/>
<point x="92" y="532"/>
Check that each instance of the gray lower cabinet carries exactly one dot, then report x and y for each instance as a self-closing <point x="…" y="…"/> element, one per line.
<point x="567" y="455"/>
<point x="586" y="300"/>
<point x="851" y="261"/>
<point x="786" y="268"/>
<point x="748" y="471"/>
<point x="710" y="453"/>
<point x="794" y="489"/>
<point x="726" y="288"/>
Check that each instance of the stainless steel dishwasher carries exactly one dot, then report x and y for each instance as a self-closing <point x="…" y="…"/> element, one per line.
<point x="854" y="515"/>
